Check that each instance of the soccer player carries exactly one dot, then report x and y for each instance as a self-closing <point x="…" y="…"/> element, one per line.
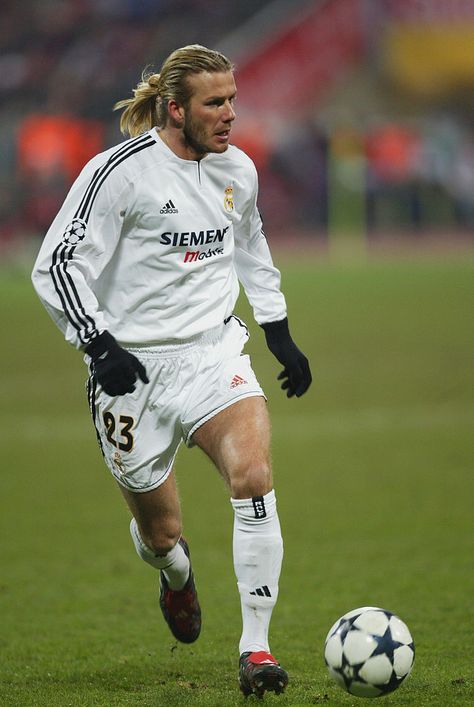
<point x="141" y="270"/>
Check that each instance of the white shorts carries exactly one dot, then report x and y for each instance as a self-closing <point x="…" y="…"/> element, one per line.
<point x="190" y="382"/>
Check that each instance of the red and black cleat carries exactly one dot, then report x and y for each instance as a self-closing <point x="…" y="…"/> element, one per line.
<point x="181" y="608"/>
<point x="260" y="672"/>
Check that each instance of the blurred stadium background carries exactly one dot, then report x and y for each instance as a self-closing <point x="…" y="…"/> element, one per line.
<point x="358" y="113"/>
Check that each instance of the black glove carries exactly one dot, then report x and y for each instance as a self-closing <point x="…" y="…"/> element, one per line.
<point x="114" y="368"/>
<point x="296" y="375"/>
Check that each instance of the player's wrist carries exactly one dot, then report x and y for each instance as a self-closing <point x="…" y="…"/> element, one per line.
<point x="278" y="327"/>
<point x="102" y="343"/>
<point x="276" y="331"/>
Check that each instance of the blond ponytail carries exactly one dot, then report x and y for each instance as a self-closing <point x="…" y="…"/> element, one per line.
<point x="149" y="106"/>
<point x="140" y="112"/>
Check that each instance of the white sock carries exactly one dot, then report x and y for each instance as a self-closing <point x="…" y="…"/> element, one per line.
<point x="258" y="554"/>
<point x="175" y="563"/>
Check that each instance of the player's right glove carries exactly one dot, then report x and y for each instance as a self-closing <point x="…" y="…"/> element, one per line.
<point x="296" y="375"/>
<point x="114" y="368"/>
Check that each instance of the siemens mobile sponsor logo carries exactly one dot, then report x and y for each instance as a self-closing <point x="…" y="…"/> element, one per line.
<point x="191" y="256"/>
<point x="196" y="238"/>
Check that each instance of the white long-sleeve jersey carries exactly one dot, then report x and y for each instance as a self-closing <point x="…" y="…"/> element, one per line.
<point x="152" y="247"/>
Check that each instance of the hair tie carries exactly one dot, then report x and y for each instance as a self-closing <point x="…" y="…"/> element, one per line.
<point x="154" y="81"/>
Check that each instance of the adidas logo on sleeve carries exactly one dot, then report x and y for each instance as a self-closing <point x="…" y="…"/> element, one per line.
<point x="169" y="208"/>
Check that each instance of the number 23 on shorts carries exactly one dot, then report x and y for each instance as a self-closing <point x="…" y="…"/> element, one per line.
<point x="119" y="433"/>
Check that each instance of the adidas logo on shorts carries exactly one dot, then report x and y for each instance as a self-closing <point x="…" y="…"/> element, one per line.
<point x="237" y="380"/>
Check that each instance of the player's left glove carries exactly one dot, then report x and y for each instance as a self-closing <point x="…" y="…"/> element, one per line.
<point x="296" y="375"/>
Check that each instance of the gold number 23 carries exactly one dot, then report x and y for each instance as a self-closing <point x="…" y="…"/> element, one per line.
<point x="125" y="437"/>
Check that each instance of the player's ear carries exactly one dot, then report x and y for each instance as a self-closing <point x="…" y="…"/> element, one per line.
<point x="176" y="112"/>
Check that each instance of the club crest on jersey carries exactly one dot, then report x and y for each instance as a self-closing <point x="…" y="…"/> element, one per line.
<point x="229" y="199"/>
<point x="75" y="231"/>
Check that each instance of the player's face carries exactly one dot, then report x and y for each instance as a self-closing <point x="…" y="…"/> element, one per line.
<point x="210" y="112"/>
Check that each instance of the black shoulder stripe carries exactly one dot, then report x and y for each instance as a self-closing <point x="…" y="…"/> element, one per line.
<point x="131" y="148"/>
<point x="64" y="283"/>
<point x="119" y="151"/>
<point x="105" y="175"/>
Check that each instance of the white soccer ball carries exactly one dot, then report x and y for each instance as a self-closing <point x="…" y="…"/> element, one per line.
<point x="369" y="652"/>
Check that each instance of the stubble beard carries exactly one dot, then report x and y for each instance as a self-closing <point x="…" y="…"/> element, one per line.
<point x="195" y="139"/>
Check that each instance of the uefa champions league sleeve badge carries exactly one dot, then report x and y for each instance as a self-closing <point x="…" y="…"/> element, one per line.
<point x="75" y="232"/>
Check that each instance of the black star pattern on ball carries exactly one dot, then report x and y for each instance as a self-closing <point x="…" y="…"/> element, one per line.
<point x="350" y="672"/>
<point x="345" y="626"/>
<point x="386" y="645"/>
<point x="391" y="685"/>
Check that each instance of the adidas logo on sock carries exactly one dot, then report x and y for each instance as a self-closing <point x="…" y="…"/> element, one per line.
<point x="237" y="380"/>
<point x="169" y="208"/>
<point x="262" y="591"/>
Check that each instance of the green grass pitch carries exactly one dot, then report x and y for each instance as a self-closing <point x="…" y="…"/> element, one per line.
<point x="374" y="477"/>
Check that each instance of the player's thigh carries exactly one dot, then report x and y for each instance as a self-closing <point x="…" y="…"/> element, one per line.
<point x="140" y="433"/>
<point x="237" y="440"/>
<point x="157" y="513"/>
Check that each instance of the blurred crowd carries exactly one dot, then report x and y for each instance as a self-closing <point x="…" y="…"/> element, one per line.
<point x="64" y="63"/>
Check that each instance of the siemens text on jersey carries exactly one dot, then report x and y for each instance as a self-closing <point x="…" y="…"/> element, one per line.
<point x="190" y="238"/>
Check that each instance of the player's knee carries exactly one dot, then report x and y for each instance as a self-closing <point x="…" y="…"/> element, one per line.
<point x="162" y="539"/>
<point x="253" y="479"/>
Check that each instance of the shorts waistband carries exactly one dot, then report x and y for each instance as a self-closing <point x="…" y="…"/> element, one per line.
<point x="178" y="347"/>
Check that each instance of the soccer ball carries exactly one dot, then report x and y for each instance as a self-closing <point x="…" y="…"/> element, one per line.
<point x="369" y="652"/>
